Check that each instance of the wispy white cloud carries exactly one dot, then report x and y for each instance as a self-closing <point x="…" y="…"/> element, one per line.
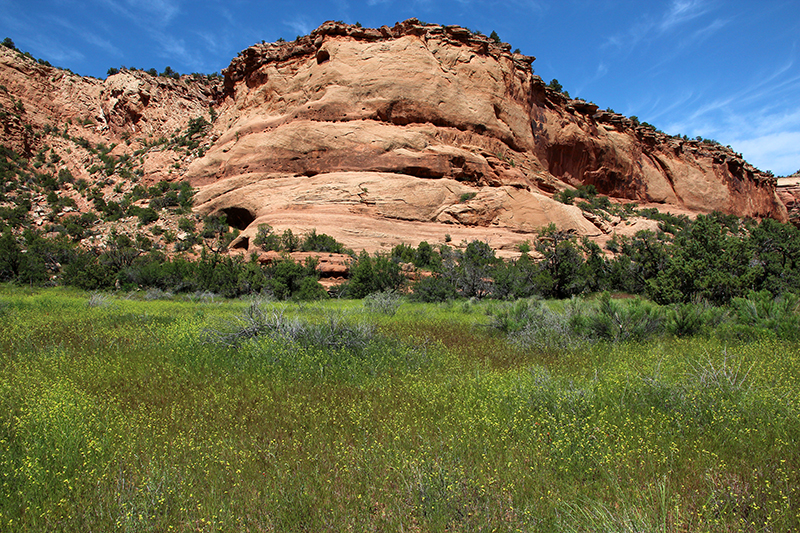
<point x="228" y="16"/>
<point x="675" y="18"/>
<point x="56" y="52"/>
<point x="778" y="152"/>
<point x="687" y="41"/>
<point x="145" y="13"/>
<point x="212" y="41"/>
<point x="708" y="31"/>
<point x="681" y="12"/>
<point x="602" y="70"/>
<point x="676" y="106"/>
<point x="119" y="9"/>
<point x="228" y="33"/>
<point x="523" y="6"/>
<point x="299" y="25"/>
<point x="103" y="44"/>
<point x="529" y="6"/>
<point x="87" y="34"/>
<point x="9" y="21"/>
<point x="154" y="18"/>
<point x="40" y="43"/>
<point x="173" y="48"/>
<point x="764" y="89"/>
<point x="161" y="11"/>
<point x="759" y="119"/>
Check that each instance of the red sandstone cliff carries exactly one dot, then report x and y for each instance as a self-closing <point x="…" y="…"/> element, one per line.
<point x="377" y="136"/>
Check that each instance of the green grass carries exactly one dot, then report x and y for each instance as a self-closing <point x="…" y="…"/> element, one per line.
<point x="129" y="415"/>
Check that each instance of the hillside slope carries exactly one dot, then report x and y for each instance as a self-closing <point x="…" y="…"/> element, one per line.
<point x="374" y="136"/>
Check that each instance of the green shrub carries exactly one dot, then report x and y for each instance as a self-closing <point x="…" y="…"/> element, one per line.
<point x="289" y="241"/>
<point x="763" y="311"/>
<point x="314" y="242"/>
<point x="555" y="85"/>
<point x="427" y="257"/>
<point x="370" y="274"/>
<point x="424" y="256"/>
<point x="403" y="253"/>
<point x="146" y="215"/>
<point x="514" y="317"/>
<point x="65" y="176"/>
<point x="169" y="73"/>
<point x="618" y="321"/>
<point x="310" y="289"/>
<point x="186" y="224"/>
<point x="214" y="226"/>
<point x="196" y="125"/>
<point x="289" y="279"/>
<point x="266" y="239"/>
<point x="86" y="271"/>
<point x="435" y="288"/>
<point x="472" y="274"/>
<point x="531" y="324"/>
<point x="685" y="319"/>
<point x="466" y="197"/>
<point x="11" y="257"/>
<point x="563" y="270"/>
<point x="587" y="192"/>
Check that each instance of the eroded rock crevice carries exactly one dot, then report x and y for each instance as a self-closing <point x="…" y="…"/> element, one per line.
<point x="238" y="217"/>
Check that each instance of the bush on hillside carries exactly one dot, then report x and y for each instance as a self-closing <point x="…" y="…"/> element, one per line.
<point x="372" y="274"/>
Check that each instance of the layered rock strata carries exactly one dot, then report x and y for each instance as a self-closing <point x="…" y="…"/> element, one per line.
<point x="439" y="126"/>
<point x="376" y="137"/>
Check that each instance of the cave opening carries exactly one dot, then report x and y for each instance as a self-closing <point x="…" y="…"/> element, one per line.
<point x="242" y="243"/>
<point x="238" y="217"/>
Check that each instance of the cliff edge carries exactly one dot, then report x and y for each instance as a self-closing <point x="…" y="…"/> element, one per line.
<point x="374" y="136"/>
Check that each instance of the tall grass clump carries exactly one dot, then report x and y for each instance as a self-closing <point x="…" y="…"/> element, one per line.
<point x="688" y="319"/>
<point x="726" y="374"/>
<point x="202" y="297"/>
<point x="534" y="324"/>
<point x="609" y="319"/>
<point x="618" y="321"/>
<point x="761" y="313"/>
<point x="334" y="345"/>
<point x="384" y="302"/>
<point x="260" y="319"/>
<point x="98" y="299"/>
<point x="531" y="323"/>
<point x="157" y="294"/>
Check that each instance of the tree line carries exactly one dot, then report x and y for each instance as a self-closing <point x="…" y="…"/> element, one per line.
<point x="713" y="257"/>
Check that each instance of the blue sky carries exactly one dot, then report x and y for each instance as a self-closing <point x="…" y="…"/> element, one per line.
<point x="725" y="70"/>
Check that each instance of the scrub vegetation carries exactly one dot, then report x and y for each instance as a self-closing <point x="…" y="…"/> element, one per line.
<point x="153" y="412"/>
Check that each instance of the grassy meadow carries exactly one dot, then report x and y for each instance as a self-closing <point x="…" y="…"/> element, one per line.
<point x="201" y="414"/>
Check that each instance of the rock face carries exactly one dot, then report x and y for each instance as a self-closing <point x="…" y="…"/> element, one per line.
<point x="128" y="105"/>
<point x="381" y="136"/>
<point x="436" y="125"/>
<point x="789" y="193"/>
